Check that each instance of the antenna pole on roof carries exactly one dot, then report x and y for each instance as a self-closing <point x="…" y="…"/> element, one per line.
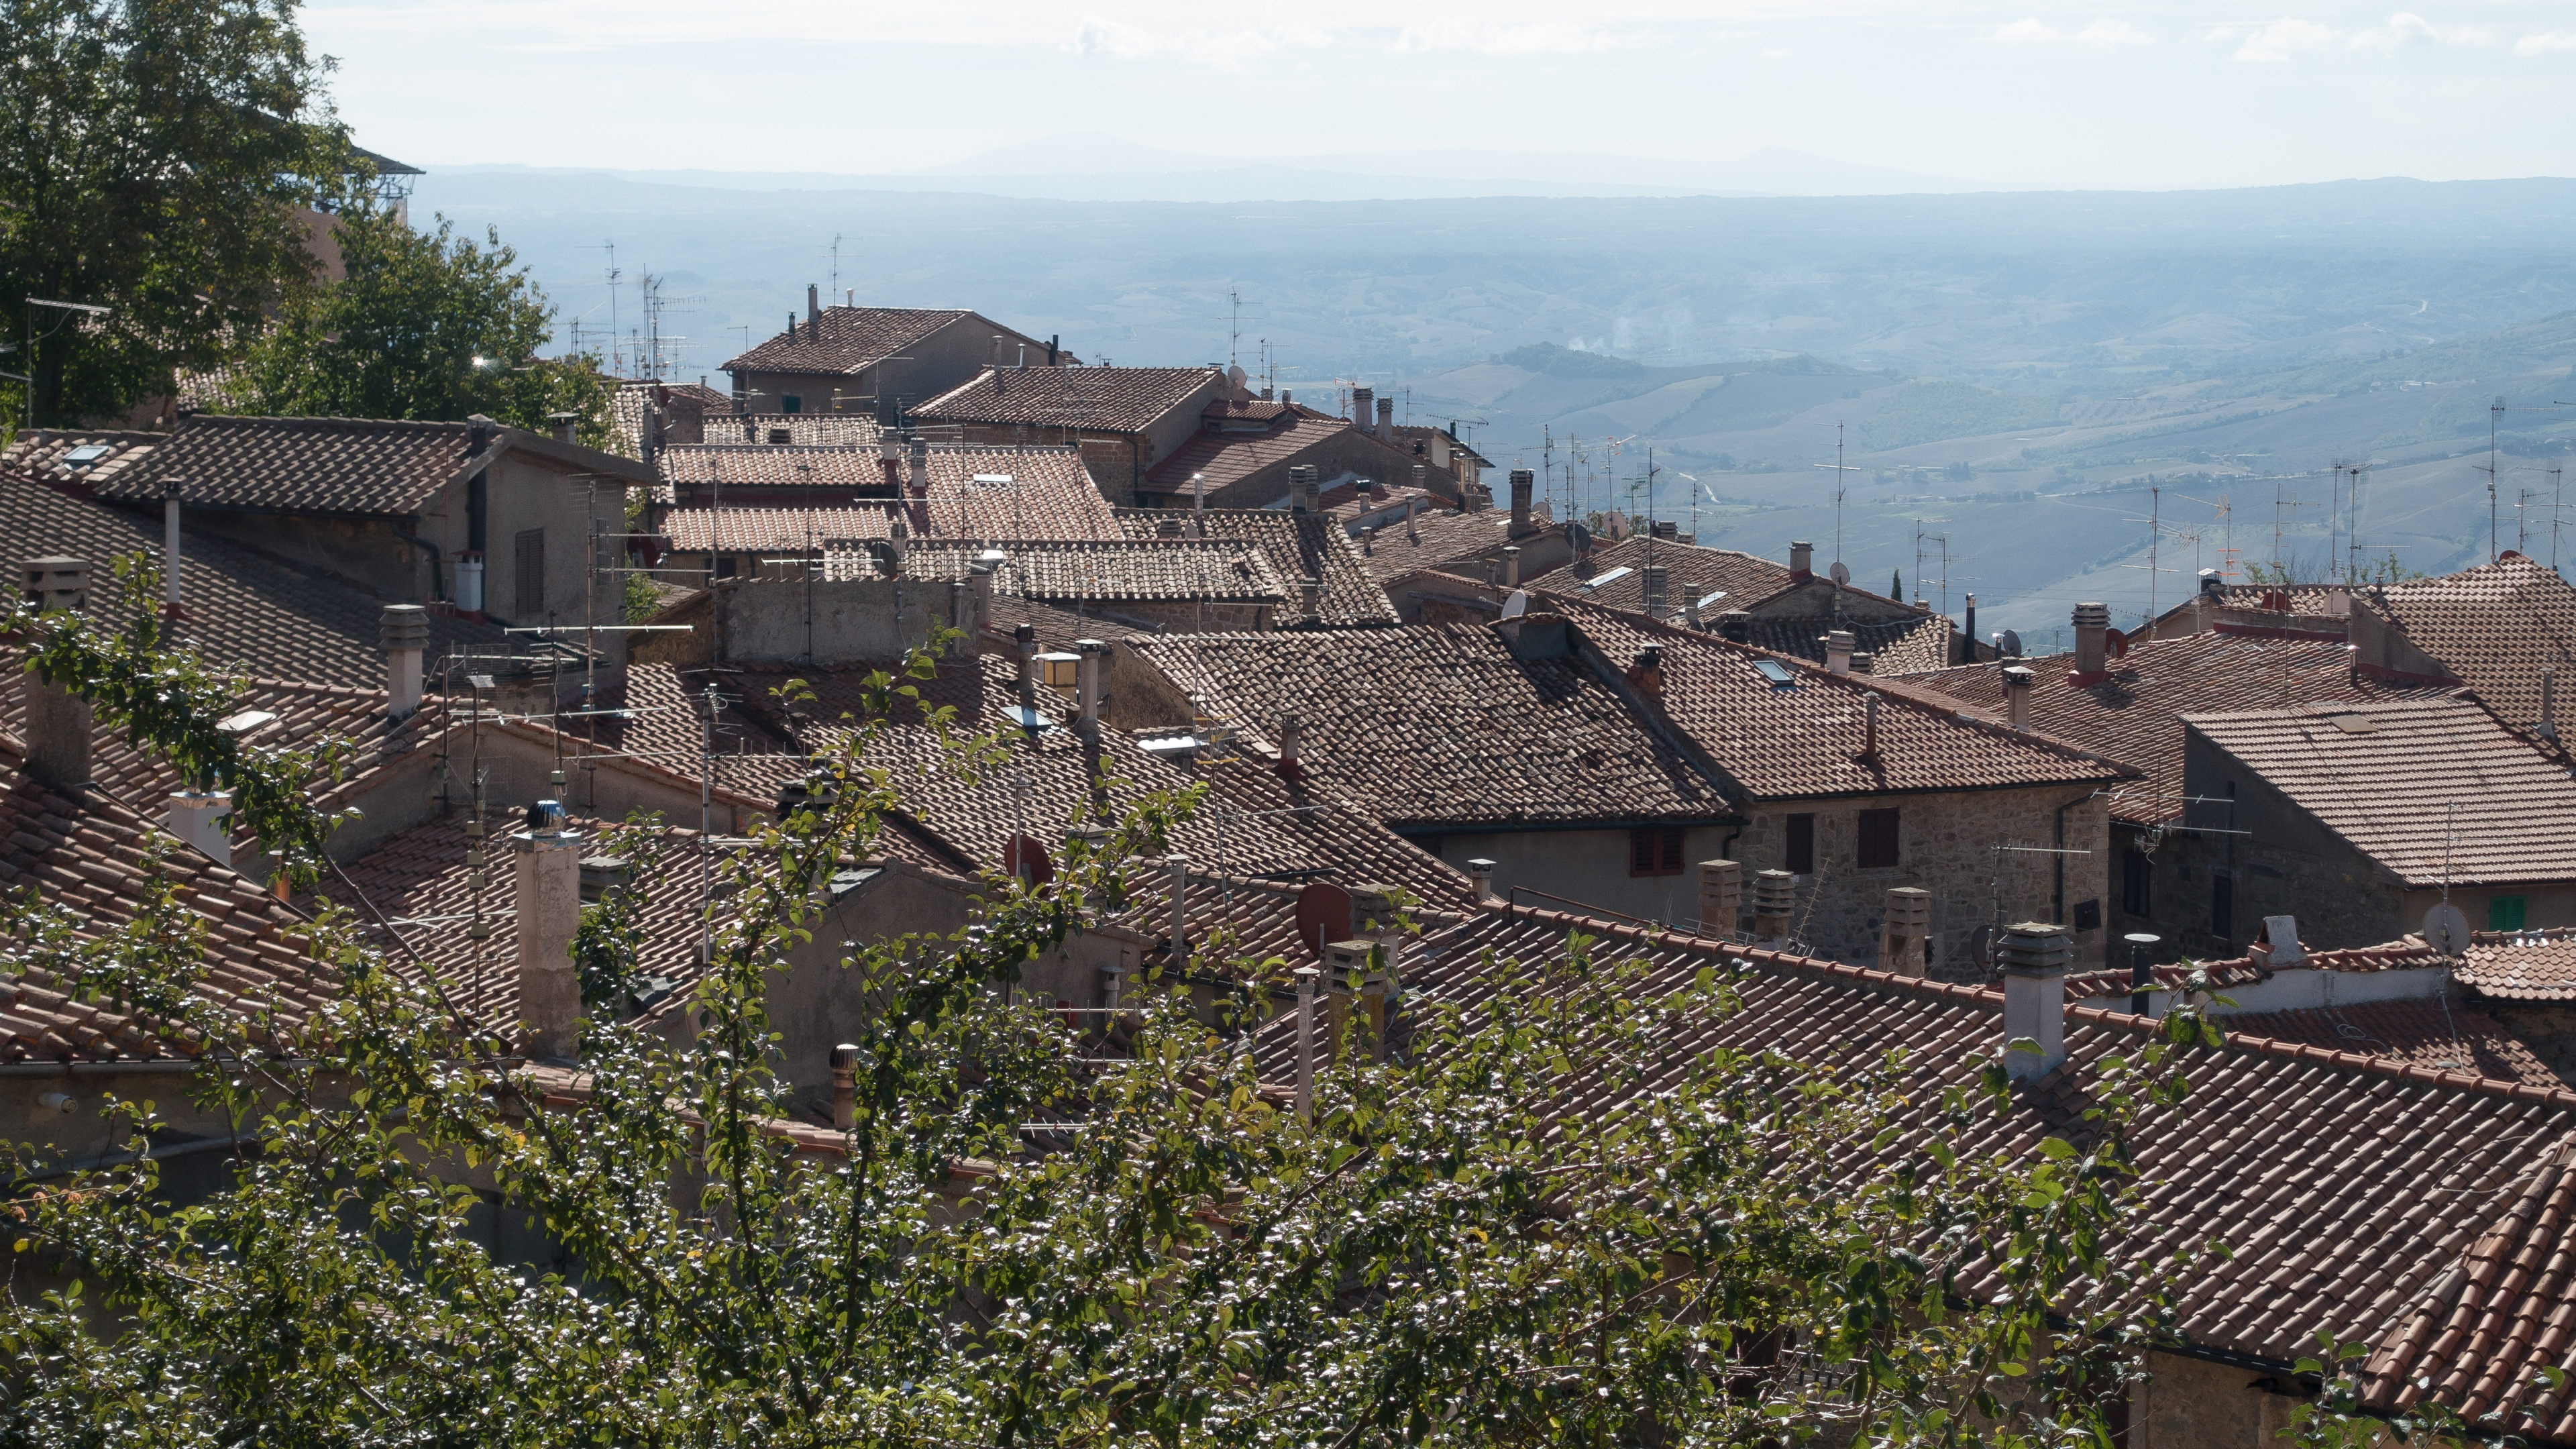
<point x="706" y="828"/>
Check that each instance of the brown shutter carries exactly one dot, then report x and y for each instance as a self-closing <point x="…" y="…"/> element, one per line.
<point x="532" y="574"/>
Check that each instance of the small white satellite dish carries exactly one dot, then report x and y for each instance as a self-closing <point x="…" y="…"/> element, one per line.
<point x="2011" y="644"/>
<point x="1517" y="604"/>
<point x="1614" y="525"/>
<point x="2446" y="930"/>
<point x="1841" y="572"/>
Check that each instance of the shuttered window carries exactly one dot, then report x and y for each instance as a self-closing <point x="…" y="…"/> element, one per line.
<point x="1877" y="839"/>
<point x="1655" y="852"/>
<point x="1801" y="854"/>
<point x="532" y="574"/>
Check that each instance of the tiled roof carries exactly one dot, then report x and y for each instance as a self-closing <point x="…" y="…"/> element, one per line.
<point x="2135" y="715"/>
<point x="1223" y="458"/>
<point x="1256" y="919"/>
<point x="1307" y="546"/>
<point x="2521" y="965"/>
<point x="2430" y="788"/>
<point x="848" y="339"/>
<point x="1099" y="399"/>
<point x="2496" y="626"/>
<point x="729" y="429"/>
<point x="1691" y="573"/>
<point x="2427" y="1032"/>
<point x="1381" y="504"/>
<point x="970" y="492"/>
<point x="760" y="530"/>
<point x="754" y="468"/>
<point x="1409" y="434"/>
<point x="1806" y="741"/>
<point x="1441" y="726"/>
<point x="1129" y="570"/>
<point x="1432" y="540"/>
<point x="2380" y="1201"/>
<point x="1898" y="646"/>
<point x="245" y="610"/>
<point x="1260" y="825"/>
<point x="93" y="855"/>
<point x="2407" y="954"/>
<point x="313" y="465"/>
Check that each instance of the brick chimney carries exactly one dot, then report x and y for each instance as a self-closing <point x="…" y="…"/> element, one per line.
<point x="58" y="721"/>
<point x="1363" y="405"/>
<point x="2018" y="680"/>
<point x="170" y="592"/>
<point x="1656" y="578"/>
<point x="1386" y="420"/>
<point x="548" y="870"/>
<point x="1838" y="651"/>
<point x="2092" y="643"/>
<point x="813" y="304"/>
<point x="1802" y="557"/>
<point x="1292" y="743"/>
<point x="1481" y="871"/>
<point x="2033" y="959"/>
<point x="1721" y="898"/>
<point x="1908" y="926"/>
<point x="404" y="628"/>
<point x="1523" y="481"/>
<point x="197" y="817"/>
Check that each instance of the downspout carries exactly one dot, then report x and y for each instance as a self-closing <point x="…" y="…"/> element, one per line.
<point x="437" y="584"/>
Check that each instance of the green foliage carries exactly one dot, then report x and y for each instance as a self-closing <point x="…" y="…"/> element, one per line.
<point x="155" y="157"/>
<point x="1896" y="585"/>
<point x="1721" y="1248"/>
<point x="1928" y="409"/>
<point x="427" y="325"/>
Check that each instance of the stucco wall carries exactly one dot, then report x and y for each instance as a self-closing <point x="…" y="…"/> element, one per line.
<point x="1588" y="866"/>
<point x="361" y="550"/>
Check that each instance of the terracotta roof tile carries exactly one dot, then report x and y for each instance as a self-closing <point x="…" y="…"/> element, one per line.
<point x="848" y="339"/>
<point x="1298" y="547"/>
<point x="1153" y="570"/>
<point x="2364" y="779"/>
<point x="1101" y="399"/>
<point x="1614" y="576"/>
<point x="727" y="428"/>
<point x="2521" y="965"/>
<point x="1222" y="457"/>
<point x="2496" y="626"/>
<point x="2136" y="714"/>
<point x="2428" y="1032"/>
<point x="755" y="467"/>
<point x="314" y="465"/>
<point x="1434" y="541"/>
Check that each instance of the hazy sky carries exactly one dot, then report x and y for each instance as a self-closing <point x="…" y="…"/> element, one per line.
<point x="2138" y="96"/>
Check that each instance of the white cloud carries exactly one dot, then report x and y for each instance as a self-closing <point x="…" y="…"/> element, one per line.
<point x="2100" y="35"/>
<point x="1778" y="54"/>
<point x="2284" y="38"/>
<point x="2407" y="30"/>
<point x="2546" y="40"/>
<point x="1222" y="48"/>
<point x="1486" y="39"/>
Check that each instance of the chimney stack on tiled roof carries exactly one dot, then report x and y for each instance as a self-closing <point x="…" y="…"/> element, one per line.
<point x="1363" y="406"/>
<point x="566" y="426"/>
<point x="1303" y="495"/>
<point x="1511" y="565"/>
<point x="1721" y="898"/>
<point x="1386" y="420"/>
<point x="1523" y="480"/>
<point x="1657" y="590"/>
<point x="2018" y="680"/>
<point x="1908" y="926"/>
<point x="1802" y="558"/>
<point x="2033" y="960"/>
<point x="1869" y="729"/>
<point x="1838" y="651"/>
<point x="549" y="913"/>
<point x="1024" y="653"/>
<point x="2549" y="704"/>
<point x="1310" y="600"/>
<point x="1481" y="872"/>
<point x="1646" y="671"/>
<point x="404" y="628"/>
<point x="1864" y="662"/>
<point x="2092" y="641"/>
<point x="813" y="304"/>
<point x="1968" y="634"/>
<point x="845" y="1087"/>
<point x="170" y="595"/>
<point x="1735" y="625"/>
<point x="197" y="817"/>
<point x="1350" y="973"/>
<point x="58" y="721"/>
<point x="1292" y="741"/>
<point x="1180" y="907"/>
<point x="1775" y="897"/>
<point x="1087" y="685"/>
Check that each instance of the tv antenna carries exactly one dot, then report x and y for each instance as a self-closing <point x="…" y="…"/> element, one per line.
<point x="1234" y="321"/>
<point x="1841" y="476"/>
<point x="836" y="265"/>
<point x="616" y="364"/>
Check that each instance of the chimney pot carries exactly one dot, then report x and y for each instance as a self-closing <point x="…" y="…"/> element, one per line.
<point x="1292" y="740"/>
<point x="1657" y="577"/>
<point x="2092" y="638"/>
<point x="2018" y="680"/>
<point x="1481" y="871"/>
<point x="1180" y="908"/>
<point x="1511" y="565"/>
<point x="404" y="628"/>
<point x="1363" y="405"/>
<point x="1088" y="686"/>
<point x="567" y="426"/>
<point x="1864" y="662"/>
<point x="1869" y="736"/>
<point x="1303" y="495"/>
<point x="1721" y="898"/>
<point x="1310" y="600"/>
<point x="845" y="1087"/>
<point x="170" y="592"/>
<point x="1386" y="420"/>
<point x="1802" y="556"/>
<point x="813" y="304"/>
<point x="197" y="817"/>
<point x="1838" y="651"/>
<point x="549" y="914"/>
<point x="1523" y="482"/>
<point x="1735" y="625"/>
<point x="58" y="720"/>
<point x="2033" y="958"/>
<point x="1775" y="899"/>
<point x="1908" y="926"/>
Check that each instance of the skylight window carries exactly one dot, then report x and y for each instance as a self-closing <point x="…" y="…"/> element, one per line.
<point x="1709" y="599"/>
<point x="1598" y="580"/>
<point x="1778" y="673"/>
<point x="994" y="480"/>
<point x="1029" y="719"/>
<point x="86" y="454"/>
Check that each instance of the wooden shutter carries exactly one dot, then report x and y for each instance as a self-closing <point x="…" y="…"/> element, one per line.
<point x="1877" y="839"/>
<point x="1641" y="852"/>
<point x="532" y="574"/>
<point x="1801" y="854"/>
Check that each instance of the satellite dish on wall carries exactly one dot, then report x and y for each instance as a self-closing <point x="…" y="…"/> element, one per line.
<point x="2446" y="930"/>
<point x="1841" y="572"/>
<point x="1517" y="604"/>
<point x="1023" y="856"/>
<point x="1323" y="916"/>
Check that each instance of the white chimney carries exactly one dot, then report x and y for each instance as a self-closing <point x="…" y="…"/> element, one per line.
<point x="405" y="631"/>
<point x="58" y="721"/>
<point x="1721" y="898"/>
<point x="2033" y="959"/>
<point x="1511" y="565"/>
<point x="548" y="902"/>
<point x="1088" y="686"/>
<point x="845" y="1087"/>
<point x="567" y="426"/>
<point x="1363" y="406"/>
<point x="1838" y="651"/>
<point x="197" y="817"/>
<point x="170" y="592"/>
<point x="1802" y="557"/>
<point x="1775" y="899"/>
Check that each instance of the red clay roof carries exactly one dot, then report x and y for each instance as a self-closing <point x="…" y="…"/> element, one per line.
<point x="1310" y="546"/>
<point x="2496" y="626"/>
<point x="2384" y="786"/>
<point x="786" y="466"/>
<point x="2426" y="1032"/>
<point x="2135" y="715"/>
<point x="1432" y="540"/>
<point x="986" y="494"/>
<point x="763" y="530"/>
<point x="849" y="339"/>
<point x="1740" y="579"/>
<point x="2521" y="965"/>
<point x="1095" y="399"/>
<point x="1221" y="458"/>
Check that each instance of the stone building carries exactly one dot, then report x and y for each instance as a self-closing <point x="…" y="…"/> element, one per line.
<point x="1242" y="453"/>
<point x="875" y="361"/>
<point x="1126" y="420"/>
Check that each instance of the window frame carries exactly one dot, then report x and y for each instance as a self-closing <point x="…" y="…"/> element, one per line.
<point x="528" y="566"/>
<point x="2521" y="912"/>
<point x="1656" y="850"/>
<point x="1879" y="828"/>
<point x="1798" y="843"/>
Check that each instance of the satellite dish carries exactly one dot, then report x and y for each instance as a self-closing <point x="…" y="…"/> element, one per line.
<point x="2446" y="930"/>
<point x="1323" y="916"/>
<point x="1841" y="572"/>
<point x="1235" y="375"/>
<point x="2118" y="642"/>
<point x="2009" y="644"/>
<point x="1614" y="525"/>
<point x="1517" y="604"/>
<point x="1023" y="856"/>
<point x="1579" y="536"/>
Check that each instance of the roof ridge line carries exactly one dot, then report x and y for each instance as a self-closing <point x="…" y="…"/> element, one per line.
<point x="2362" y="1062"/>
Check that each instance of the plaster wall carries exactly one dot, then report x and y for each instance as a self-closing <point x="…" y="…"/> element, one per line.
<point x="1586" y="866"/>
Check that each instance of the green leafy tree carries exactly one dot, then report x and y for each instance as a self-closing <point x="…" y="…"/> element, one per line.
<point x="426" y="325"/>
<point x="1896" y="585"/>
<point x="156" y="157"/>
<point x="1031" y="1232"/>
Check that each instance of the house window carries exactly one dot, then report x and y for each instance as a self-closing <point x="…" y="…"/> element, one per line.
<point x="1654" y="852"/>
<point x="1802" y="845"/>
<point x="791" y="403"/>
<point x="532" y="573"/>
<point x="2137" y="883"/>
<point x="2504" y="913"/>
<point x="2222" y="905"/>
<point x="1877" y="839"/>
